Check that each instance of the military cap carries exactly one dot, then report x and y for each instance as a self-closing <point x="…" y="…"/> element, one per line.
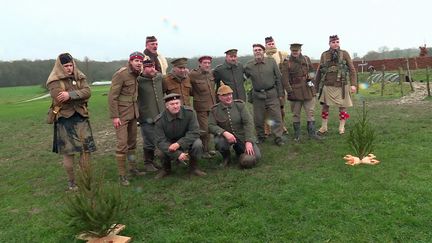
<point x="333" y="38"/>
<point x="148" y="63"/>
<point x="150" y="39"/>
<point x="172" y="96"/>
<point x="224" y="89"/>
<point x="231" y="52"/>
<point x="258" y="45"/>
<point x="204" y="58"/>
<point x="268" y="39"/>
<point x="136" y="55"/>
<point x="65" y="58"/>
<point x="295" y="46"/>
<point x="179" y="62"/>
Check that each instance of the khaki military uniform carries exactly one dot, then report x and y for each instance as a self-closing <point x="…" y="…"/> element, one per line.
<point x="122" y="100"/>
<point x="203" y="99"/>
<point x="233" y="76"/>
<point x="295" y="75"/>
<point x="182" y="86"/>
<point x="267" y="88"/>
<point x="335" y="77"/>
<point x="235" y="119"/>
<point x="181" y="128"/>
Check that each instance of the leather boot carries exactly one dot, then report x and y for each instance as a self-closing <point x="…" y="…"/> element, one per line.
<point x="166" y="168"/>
<point x="133" y="166"/>
<point x="121" y="165"/>
<point x="149" y="156"/>
<point x="193" y="168"/>
<point x="296" y="126"/>
<point x="311" y="131"/>
<point x="226" y="155"/>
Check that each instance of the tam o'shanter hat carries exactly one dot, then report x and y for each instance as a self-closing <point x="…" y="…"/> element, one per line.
<point x="179" y="62"/>
<point x="333" y="38"/>
<point x="150" y="39"/>
<point x="136" y="55"/>
<point x="224" y="89"/>
<point x="231" y="52"/>
<point x="172" y="96"/>
<point x="295" y="46"/>
<point x="65" y="58"/>
<point x="269" y="39"/>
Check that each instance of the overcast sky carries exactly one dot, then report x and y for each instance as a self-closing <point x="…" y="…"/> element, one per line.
<point x="110" y="30"/>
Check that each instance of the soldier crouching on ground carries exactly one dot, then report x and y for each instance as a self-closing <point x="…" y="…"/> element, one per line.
<point x="177" y="136"/>
<point x="337" y="79"/>
<point x="232" y="125"/>
<point x="123" y="107"/>
<point x="72" y="132"/>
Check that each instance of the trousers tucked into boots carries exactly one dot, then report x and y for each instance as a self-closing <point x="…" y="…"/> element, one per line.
<point x="297" y="131"/>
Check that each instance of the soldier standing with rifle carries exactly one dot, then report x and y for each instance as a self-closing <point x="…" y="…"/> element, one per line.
<point x="297" y="75"/>
<point x="336" y="78"/>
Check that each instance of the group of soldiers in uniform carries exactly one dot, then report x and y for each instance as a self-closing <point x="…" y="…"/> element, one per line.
<point x="143" y="94"/>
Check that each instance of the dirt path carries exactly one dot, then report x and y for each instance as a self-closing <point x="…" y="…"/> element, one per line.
<point x="416" y="97"/>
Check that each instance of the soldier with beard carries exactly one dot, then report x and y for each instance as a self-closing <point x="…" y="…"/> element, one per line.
<point x="150" y="104"/>
<point x="152" y="54"/>
<point x="178" y="81"/>
<point x="337" y="79"/>
<point x="267" y="92"/>
<point x="279" y="56"/>
<point x="203" y="93"/>
<point x="231" y="72"/>
<point x="297" y="75"/>
<point x="122" y="100"/>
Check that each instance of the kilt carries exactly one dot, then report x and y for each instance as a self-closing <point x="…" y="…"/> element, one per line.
<point x="73" y="135"/>
<point x="332" y="96"/>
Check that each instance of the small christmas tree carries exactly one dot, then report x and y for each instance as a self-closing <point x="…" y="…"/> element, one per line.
<point x="94" y="211"/>
<point x="362" y="137"/>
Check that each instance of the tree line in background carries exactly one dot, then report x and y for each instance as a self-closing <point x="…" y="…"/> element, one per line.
<point x="26" y="72"/>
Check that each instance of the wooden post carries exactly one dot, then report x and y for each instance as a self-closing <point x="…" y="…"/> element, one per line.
<point x="382" y="81"/>
<point x="409" y="74"/>
<point x="401" y="79"/>
<point x="427" y="81"/>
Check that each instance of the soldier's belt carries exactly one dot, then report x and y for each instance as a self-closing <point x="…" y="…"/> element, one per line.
<point x="263" y="90"/>
<point x="127" y="98"/>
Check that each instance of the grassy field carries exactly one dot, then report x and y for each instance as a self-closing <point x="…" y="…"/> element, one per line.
<point x="298" y="193"/>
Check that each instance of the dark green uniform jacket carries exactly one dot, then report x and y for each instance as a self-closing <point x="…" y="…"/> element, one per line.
<point x="182" y="129"/>
<point x="233" y="76"/>
<point x="150" y="94"/>
<point x="264" y="75"/>
<point x="234" y="118"/>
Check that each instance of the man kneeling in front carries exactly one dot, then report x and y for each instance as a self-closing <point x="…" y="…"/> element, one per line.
<point x="178" y="136"/>
<point x="232" y="125"/>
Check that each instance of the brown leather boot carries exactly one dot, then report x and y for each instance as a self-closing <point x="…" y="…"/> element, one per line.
<point x="166" y="169"/>
<point x="226" y="155"/>
<point x="149" y="165"/>
<point x="121" y="165"/>
<point x="193" y="168"/>
<point x="133" y="166"/>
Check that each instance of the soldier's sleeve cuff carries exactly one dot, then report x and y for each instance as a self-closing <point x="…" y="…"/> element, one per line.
<point x="73" y="95"/>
